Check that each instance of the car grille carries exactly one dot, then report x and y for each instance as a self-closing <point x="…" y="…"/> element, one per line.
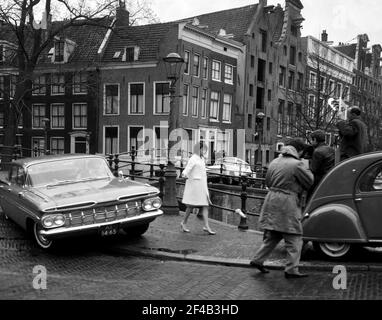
<point x="103" y="214"/>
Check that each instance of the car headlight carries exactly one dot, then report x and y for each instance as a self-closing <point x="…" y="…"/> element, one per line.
<point x="53" y="221"/>
<point x="151" y="204"/>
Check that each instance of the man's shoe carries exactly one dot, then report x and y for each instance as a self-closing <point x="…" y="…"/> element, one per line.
<point x="258" y="266"/>
<point x="295" y="275"/>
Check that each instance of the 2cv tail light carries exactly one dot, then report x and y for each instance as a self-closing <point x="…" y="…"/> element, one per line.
<point x="53" y="221"/>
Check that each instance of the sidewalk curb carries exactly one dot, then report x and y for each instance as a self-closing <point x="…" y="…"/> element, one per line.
<point x="241" y="263"/>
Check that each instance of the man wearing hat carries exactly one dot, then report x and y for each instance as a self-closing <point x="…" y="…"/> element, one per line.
<point x="353" y="135"/>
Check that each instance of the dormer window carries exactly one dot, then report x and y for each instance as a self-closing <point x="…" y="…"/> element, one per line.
<point x="59" y="47"/>
<point x="131" y="54"/>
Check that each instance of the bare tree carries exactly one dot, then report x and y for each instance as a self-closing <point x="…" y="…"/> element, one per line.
<point x="28" y="42"/>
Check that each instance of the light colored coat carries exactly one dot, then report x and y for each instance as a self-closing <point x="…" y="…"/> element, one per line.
<point x="196" y="189"/>
<point x="287" y="178"/>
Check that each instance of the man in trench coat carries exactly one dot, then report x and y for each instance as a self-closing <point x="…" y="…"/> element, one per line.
<point x="287" y="179"/>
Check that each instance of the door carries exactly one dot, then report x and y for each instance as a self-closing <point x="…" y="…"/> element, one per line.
<point x="368" y="198"/>
<point x="80" y="145"/>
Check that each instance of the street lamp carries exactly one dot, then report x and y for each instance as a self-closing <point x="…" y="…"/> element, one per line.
<point x="46" y="127"/>
<point x="173" y="63"/>
<point x="259" y="124"/>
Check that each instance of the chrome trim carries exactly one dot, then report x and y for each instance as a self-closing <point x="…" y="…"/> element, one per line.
<point x="63" y="230"/>
<point x="137" y="196"/>
<point x="375" y="241"/>
<point x="71" y="207"/>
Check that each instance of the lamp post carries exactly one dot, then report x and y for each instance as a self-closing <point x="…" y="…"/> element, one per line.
<point x="46" y="127"/>
<point x="259" y="123"/>
<point x="173" y="63"/>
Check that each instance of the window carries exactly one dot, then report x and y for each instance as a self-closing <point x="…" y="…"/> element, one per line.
<point x="345" y="94"/>
<point x="331" y="88"/>
<point x="299" y="57"/>
<point x="186" y="89"/>
<point x="196" y="72"/>
<point x="214" y="105"/>
<point x="57" y="116"/>
<point x="260" y="97"/>
<point x="292" y="55"/>
<point x="270" y="67"/>
<point x="39" y="86"/>
<point x="58" y="84"/>
<point x="136" y="98"/>
<point x="285" y="50"/>
<point x="338" y="90"/>
<point x="216" y="70"/>
<point x="57" y="145"/>
<point x="312" y="80"/>
<point x="300" y="82"/>
<point x="1" y="119"/>
<point x="2" y="88"/>
<point x="205" y="68"/>
<point x="227" y="107"/>
<point x="111" y="102"/>
<point x="228" y="74"/>
<point x="322" y="84"/>
<point x="280" y="118"/>
<point x="371" y="180"/>
<point x="80" y="81"/>
<point x="261" y="65"/>
<point x="195" y="101"/>
<point x="59" y="51"/>
<point x="250" y="121"/>
<point x="291" y="80"/>
<point x="38" y="144"/>
<point x="20" y="121"/>
<point x="187" y="62"/>
<point x="252" y="61"/>
<point x="294" y="30"/>
<point x="263" y="40"/>
<point x="269" y="95"/>
<point x="251" y="90"/>
<point x="282" y="76"/>
<point x="111" y="140"/>
<point x="203" y="111"/>
<point x="289" y="119"/>
<point x="38" y="114"/>
<point x="311" y="106"/>
<point x="129" y="54"/>
<point x="12" y="89"/>
<point x="80" y="116"/>
<point x="162" y="97"/>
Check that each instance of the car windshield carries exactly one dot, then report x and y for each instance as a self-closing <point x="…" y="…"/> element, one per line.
<point x="66" y="171"/>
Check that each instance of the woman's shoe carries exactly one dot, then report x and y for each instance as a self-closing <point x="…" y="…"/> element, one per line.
<point x="209" y="231"/>
<point x="184" y="229"/>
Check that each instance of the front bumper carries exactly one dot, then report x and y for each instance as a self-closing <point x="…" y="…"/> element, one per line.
<point x="65" y="232"/>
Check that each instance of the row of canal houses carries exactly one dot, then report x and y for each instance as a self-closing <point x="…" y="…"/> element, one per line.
<point x="105" y="90"/>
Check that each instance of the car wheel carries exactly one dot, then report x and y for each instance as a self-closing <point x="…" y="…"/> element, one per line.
<point x="135" y="232"/>
<point x="333" y="250"/>
<point x="41" y="241"/>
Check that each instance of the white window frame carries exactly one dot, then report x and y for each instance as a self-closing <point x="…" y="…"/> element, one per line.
<point x="185" y="100"/>
<point x="104" y="100"/>
<point x="51" y="141"/>
<point x="193" y="65"/>
<point x="40" y="152"/>
<point x="51" y="116"/>
<point x="58" y="84"/>
<point x="216" y="63"/>
<point x="217" y="109"/>
<point x="312" y="85"/>
<point x="33" y="106"/>
<point x="143" y="100"/>
<point x="34" y="92"/>
<point x="104" y="137"/>
<point x="155" y="100"/>
<point x="12" y="86"/>
<point x="87" y="116"/>
<point x="230" y="108"/>
<point x="226" y="80"/>
<point x="205" y="116"/>
<point x="205" y="59"/>
<point x="311" y="109"/>
<point x="187" y="55"/>
<point x="155" y="141"/>
<point x="80" y="74"/>
<point x="193" y="101"/>
<point x="129" y="137"/>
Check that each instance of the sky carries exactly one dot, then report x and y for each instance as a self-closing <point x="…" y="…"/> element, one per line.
<point x="342" y="19"/>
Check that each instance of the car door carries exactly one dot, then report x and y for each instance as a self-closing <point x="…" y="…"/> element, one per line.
<point x="368" y="199"/>
<point x="13" y="205"/>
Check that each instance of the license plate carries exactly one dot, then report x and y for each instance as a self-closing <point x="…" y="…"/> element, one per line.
<point x="110" y="230"/>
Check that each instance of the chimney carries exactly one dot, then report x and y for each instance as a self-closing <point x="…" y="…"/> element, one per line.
<point x="122" y="15"/>
<point x="324" y="36"/>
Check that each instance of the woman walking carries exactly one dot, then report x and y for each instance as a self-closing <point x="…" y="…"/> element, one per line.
<point x="196" y="193"/>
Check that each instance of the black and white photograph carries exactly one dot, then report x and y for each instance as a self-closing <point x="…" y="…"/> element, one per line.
<point x="190" y="156"/>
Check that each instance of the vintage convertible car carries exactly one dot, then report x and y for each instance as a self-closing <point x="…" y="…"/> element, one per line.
<point x="55" y="197"/>
<point x="346" y="209"/>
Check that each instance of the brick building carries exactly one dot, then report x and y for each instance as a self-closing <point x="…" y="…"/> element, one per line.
<point x="134" y="87"/>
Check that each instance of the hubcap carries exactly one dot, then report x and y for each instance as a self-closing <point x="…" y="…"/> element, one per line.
<point x="335" y="250"/>
<point x="41" y="240"/>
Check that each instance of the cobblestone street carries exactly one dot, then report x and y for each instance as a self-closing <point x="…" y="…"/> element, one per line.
<point x="88" y="271"/>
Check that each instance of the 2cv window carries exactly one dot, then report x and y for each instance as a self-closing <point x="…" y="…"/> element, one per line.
<point x="17" y="176"/>
<point x="372" y="179"/>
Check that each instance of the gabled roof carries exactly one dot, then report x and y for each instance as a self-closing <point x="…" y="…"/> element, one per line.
<point x="146" y="37"/>
<point x="349" y="50"/>
<point x="234" y="21"/>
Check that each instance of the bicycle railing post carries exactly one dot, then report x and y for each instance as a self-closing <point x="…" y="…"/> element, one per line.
<point x="161" y="180"/>
<point x="133" y="157"/>
<point x="116" y="165"/>
<point x="244" y="196"/>
<point x="221" y="172"/>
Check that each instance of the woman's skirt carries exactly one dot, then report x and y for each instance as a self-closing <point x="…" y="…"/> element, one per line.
<point x="196" y="193"/>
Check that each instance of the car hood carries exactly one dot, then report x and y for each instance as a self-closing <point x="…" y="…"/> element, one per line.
<point x="86" y="193"/>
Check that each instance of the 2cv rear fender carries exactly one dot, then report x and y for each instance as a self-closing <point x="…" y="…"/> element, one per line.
<point x="333" y="223"/>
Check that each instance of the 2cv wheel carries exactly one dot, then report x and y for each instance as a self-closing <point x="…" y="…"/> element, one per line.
<point x="41" y="241"/>
<point x="333" y="250"/>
